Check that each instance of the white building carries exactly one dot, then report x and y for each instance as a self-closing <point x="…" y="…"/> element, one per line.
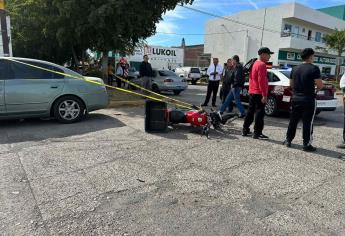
<point x="285" y="29"/>
<point x="160" y="57"/>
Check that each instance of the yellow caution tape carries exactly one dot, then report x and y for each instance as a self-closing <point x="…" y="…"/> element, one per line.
<point x="168" y="99"/>
<point x="157" y="94"/>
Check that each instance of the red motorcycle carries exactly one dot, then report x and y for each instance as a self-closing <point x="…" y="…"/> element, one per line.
<point x="201" y="118"/>
<point x="158" y="118"/>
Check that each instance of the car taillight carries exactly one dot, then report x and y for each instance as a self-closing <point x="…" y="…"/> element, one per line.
<point x="168" y="81"/>
<point x="288" y="91"/>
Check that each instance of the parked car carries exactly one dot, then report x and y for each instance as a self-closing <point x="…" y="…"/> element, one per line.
<point x="328" y="77"/>
<point x="133" y="73"/>
<point x="204" y="72"/>
<point x="280" y="93"/>
<point x="27" y="92"/>
<point x="192" y="74"/>
<point x="166" y="80"/>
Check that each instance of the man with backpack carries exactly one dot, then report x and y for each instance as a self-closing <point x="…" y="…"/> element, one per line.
<point x="258" y="91"/>
<point x="121" y="71"/>
<point x="237" y="83"/>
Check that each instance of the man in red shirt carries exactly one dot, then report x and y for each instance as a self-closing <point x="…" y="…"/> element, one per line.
<point x="258" y="90"/>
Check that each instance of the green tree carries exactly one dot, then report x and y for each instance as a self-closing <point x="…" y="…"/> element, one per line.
<point x="336" y="41"/>
<point x="62" y="29"/>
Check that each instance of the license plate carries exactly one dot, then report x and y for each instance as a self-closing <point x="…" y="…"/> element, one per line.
<point x="321" y="93"/>
<point x="326" y="103"/>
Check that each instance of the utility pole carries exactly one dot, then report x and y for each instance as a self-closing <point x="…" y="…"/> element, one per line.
<point x="4" y="31"/>
<point x="263" y="28"/>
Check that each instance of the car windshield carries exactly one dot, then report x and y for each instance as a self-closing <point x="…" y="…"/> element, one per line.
<point x="287" y="73"/>
<point x="166" y="73"/>
<point x="194" y="70"/>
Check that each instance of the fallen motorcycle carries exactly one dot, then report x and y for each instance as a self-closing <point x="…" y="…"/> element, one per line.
<point x="201" y="118"/>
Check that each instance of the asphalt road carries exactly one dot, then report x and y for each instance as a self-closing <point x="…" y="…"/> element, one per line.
<point x="106" y="176"/>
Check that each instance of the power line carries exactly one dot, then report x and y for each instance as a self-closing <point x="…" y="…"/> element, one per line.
<point x="182" y="34"/>
<point x="231" y="20"/>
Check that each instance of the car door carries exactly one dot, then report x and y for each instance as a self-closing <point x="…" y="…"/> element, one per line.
<point x="32" y="90"/>
<point x="3" y="75"/>
<point x="245" y="90"/>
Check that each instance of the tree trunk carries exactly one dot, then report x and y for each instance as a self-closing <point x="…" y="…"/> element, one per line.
<point x="75" y="58"/>
<point x="105" y="67"/>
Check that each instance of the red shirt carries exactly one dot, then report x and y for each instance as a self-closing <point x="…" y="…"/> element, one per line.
<point x="258" y="82"/>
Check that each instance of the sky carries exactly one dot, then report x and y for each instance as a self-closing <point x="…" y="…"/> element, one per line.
<point x="185" y="21"/>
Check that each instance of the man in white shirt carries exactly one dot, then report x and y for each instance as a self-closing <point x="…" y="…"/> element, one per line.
<point x="214" y="72"/>
<point x="342" y="86"/>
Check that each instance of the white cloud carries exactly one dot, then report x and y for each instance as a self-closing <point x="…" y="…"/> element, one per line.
<point x="253" y="4"/>
<point x="166" y="26"/>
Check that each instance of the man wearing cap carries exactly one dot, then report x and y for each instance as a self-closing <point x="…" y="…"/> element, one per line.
<point x="303" y="80"/>
<point x="214" y="72"/>
<point x="258" y="90"/>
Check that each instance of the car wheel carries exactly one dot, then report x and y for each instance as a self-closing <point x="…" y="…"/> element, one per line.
<point x="194" y="82"/>
<point x="155" y="88"/>
<point x="69" y="109"/>
<point x="271" y="106"/>
<point x="177" y="92"/>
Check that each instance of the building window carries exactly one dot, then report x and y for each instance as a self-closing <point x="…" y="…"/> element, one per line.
<point x="318" y="37"/>
<point x="303" y="30"/>
<point x="323" y="38"/>
<point x="287" y="30"/>
<point x="309" y="34"/>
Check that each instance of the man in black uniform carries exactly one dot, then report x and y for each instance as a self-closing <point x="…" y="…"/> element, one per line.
<point x="303" y="80"/>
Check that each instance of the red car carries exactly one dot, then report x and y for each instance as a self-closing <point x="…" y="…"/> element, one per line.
<point x="279" y="94"/>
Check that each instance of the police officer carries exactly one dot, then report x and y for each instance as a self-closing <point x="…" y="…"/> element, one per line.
<point x="303" y="80"/>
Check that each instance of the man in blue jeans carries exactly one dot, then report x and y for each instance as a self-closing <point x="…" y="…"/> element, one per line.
<point x="237" y="81"/>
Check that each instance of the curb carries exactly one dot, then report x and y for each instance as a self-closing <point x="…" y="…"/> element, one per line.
<point x="134" y="103"/>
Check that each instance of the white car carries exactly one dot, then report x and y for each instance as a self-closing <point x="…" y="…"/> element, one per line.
<point x="192" y="74"/>
<point x="280" y="93"/>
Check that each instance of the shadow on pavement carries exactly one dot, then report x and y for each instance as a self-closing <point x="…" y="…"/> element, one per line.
<point x="14" y="131"/>
<point x="180" y="132"/>
<point x="319" y="151"/>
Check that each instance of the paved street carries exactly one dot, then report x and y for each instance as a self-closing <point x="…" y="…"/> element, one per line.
<point x="106" y="176"/>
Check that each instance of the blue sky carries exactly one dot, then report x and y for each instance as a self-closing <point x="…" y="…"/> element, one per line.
<point x="184" y="21"/>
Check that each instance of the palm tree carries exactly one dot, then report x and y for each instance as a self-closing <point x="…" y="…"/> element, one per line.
<point x="336" y="41"/>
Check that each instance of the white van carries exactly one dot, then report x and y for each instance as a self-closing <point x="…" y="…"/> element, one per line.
<point x="191" y="74"/>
